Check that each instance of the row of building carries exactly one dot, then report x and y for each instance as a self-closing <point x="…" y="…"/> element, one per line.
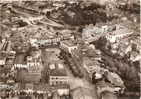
<point x="112" y="33"/>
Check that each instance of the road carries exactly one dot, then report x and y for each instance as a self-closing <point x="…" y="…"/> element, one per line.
<point x="27" y="17"/>
<point x="76" y="82"/>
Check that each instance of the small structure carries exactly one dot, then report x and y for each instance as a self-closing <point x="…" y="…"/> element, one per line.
<point x="68" y="46"/>
<point x="58" y="74"/>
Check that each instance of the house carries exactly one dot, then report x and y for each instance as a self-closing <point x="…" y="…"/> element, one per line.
<point x="68" y="46"/>
<point x="58" y="74"/>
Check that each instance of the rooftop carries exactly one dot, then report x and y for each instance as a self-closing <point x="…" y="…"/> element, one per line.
<point x="68" y="43"/>
<point x="121" y="31"/>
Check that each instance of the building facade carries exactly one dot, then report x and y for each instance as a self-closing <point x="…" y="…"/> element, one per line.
<point x="58" y="74"/>
<point x="68" y="46"/>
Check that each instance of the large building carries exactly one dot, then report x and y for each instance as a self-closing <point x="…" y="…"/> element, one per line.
<point x="58" y="74"/>
<point x="34" y="64"/>
<point x="68" y="46"/>
<point x="118" y="34"/>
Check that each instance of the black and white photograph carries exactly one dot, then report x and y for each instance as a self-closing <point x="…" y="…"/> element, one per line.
<point x="70" y="49"/>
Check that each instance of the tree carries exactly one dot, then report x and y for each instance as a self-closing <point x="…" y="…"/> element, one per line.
<point x="21" y="75"/>
<point x="45" y="73"/>
<point x="101" y="43"/>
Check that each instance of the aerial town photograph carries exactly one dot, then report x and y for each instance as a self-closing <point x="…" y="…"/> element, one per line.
<point x="70" y="49"/>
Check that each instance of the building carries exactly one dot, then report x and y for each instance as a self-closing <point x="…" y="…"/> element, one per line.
<point x="115" y="79"/>
<point x="118" y="34"/>
<point x="12" y="55"/>
<point x="34" y="61"/>
<point x="33" y="42"/>
<point x="50" y="41"/>
<point x="91" y="66"/>
<point x="92" y="33"/>
<point x="20" y="65"/>
<point x="58" y="74"/>
<point x="135" y="56"/>
<point x="68" y="46"/>
<point x="63" y="90"/>
<point x="34" y="67"/>
<point x="2" y="61"/>
<point x="62" y="93"/>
